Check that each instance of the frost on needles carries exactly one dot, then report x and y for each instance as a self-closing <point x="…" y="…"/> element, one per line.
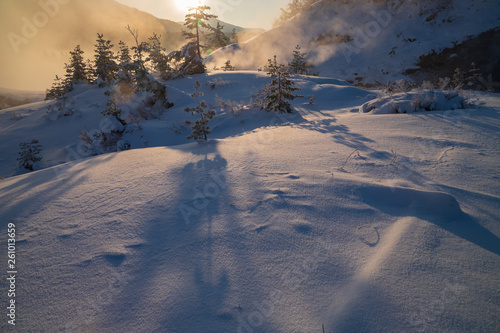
<point x="200" y="126"/>
<point x="276" y="96"/>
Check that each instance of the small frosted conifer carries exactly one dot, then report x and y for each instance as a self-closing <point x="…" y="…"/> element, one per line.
<point x="298" y="64"/>
<point x="200" y="128"/>
<point x="29" y="154"/>
<point x="276" y="96"/>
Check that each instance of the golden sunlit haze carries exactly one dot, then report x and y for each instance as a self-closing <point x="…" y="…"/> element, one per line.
<point x="184" y="5"/>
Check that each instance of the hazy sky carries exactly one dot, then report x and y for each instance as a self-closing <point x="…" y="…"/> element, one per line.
<point x="245" y="13"/>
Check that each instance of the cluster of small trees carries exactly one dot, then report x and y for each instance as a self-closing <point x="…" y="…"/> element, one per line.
<point x="293" y="8"/>
<point x="137" y="68"/>
<point x="134" y="65"/>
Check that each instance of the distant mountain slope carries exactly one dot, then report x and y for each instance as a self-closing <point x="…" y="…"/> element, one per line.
<point x="44" y="50"/>
<point x="10" y="97"/>
<point x="372" y="41"/>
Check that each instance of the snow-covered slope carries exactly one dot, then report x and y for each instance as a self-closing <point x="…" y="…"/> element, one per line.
<point x="279" y="223"/>
<point x="367" y="41"/>
<point x="59" y="134"/>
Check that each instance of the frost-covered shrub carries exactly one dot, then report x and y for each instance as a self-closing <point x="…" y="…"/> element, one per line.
<point x="113" y="111"/>
<point x="416" y="101"/>
<point x="427" y="86"/>
<point x="218" y="82"/>
<point x="400" y="86"/>
<point x="29" y="154"/>
<point x="312" y="100"/>
<point x="15" y="115"/>
<point x="232" y="107"/>
<point x="107" y="139"/>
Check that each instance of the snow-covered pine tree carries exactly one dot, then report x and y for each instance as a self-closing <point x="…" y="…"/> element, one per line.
<point x="188" y="59"/>
<point x="124" y="57"/>
<point x="276" y="95"/>
<point x="29" y="154"/>
<point x="298" y="64"/>
<point x="141" y="77"/>
<point x="89" y="70"/>
<point x="195" y="20"/>
<point x="138" y="66"/>
<point x="159" y="60"/>
<point x="125" y="82"/>
<point x="57" y="90"/>
<point x="200" y="128"/>
<point x="105" y="66"/>
<point x="217" y="38"/>
<point x="76" y="71"/>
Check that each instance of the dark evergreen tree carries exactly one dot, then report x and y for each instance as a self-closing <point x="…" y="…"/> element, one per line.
<point x="76" y="71"/>
<point x="298" y="64"/>
<point x="105" y="66"/>
<point x="217" y="38"/>
<point x="126" y="67"/>
<point x="228" y="66"/>
<point x="58" y="89"/>
<point x="276" y="95"/>
<point x="188" y="59"/>
<point x="89" y="70"/>
<point x="158" y="58"/>
<point x="234" y="36"/>
<point x="200" y="128"/>
<point x="124" y="57"/>
<point x="29" y="154"/>
<point x="138" y="66"/>
<point x="195" y="20"/>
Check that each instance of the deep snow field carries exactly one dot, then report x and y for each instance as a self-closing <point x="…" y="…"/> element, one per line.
<point x="327" y="216"/>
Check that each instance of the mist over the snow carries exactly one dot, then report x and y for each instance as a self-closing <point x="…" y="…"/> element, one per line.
<point x="376" y="41"/>
<point x="37" y="35"/>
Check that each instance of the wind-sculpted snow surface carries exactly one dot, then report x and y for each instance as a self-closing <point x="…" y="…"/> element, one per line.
<point x="277" y="223"/>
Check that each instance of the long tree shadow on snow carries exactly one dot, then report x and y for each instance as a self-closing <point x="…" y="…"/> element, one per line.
<point x="340" y="133"/>
<point x="436" y="207"/>
<point x="197" y="263"/>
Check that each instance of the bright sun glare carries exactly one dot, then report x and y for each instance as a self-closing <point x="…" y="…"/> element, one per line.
<point x="184" y="5"/>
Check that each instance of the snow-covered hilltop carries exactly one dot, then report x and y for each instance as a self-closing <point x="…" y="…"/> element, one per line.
<point x="278" y="223"/>
<point x="308" y="204"/>
<point x="369" y="42"/>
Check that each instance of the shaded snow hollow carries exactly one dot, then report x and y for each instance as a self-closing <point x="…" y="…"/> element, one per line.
<point x="358" y="222"/>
